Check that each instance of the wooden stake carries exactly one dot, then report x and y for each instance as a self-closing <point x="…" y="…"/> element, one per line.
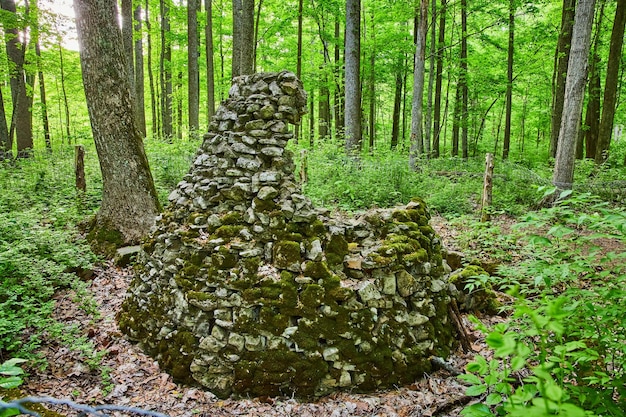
<point x="79" y="168"/>
<point x="487" y="187"/>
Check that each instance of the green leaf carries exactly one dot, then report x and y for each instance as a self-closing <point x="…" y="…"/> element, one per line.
<point x="476" y="390"/>
<point x="518" y="362"/>
<point x="553" y="392"/>
<point x="11" y="382"/>
<point x="477" y="410"/>
<point x="493" y="399"/>
<point x="470" y="378"/>
<point x="565" y="194"/>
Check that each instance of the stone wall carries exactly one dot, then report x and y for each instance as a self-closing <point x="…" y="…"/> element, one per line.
<point x="245" y="288"/>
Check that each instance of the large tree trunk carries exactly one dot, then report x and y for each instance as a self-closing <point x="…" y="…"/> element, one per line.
<point x="193" y="69"/>
<point x="509" y="82"/>
<point x="210" y="67"/>
<point x="417" y="119"/>
<point x="428" y="125"/>
<point x="610" y="84"/>
<point x="439" y="80"/>
<point x="560" y="70"/>
<point x="127" y="39"/>
<point x="243" y="37"/>
<point x="129" y="199"/>
<point x="352" y="113"/>
<point x="166" y="72"/>
<point x="140" y="98"/>
<point x="563" y="176"/>
<point x="21" y="120"/>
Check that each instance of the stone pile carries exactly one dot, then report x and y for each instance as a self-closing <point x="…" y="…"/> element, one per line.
<point x="245" y="288"/>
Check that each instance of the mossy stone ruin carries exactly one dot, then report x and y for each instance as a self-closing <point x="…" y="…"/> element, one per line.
<point x="245" y="288"/>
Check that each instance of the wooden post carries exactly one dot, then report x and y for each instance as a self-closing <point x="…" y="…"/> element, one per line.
<point x="487" y="187"/>
<point x="304" y="176"/>
<point x="79" y="168"/>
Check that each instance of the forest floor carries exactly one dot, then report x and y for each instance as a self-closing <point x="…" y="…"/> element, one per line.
<point x="128" y="377"/>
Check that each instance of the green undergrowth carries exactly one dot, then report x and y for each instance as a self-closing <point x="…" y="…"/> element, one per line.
<point x="563" y="350"/>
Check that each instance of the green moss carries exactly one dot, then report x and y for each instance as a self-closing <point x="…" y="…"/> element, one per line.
<point x="418" y="256"/>
<point x="336" y="250"/>
<point x="232" y="218"/>
<point x="317" y="270"/>
<point x="264" y="205"/>
<point x="105" y="238"/>
<point x="312" y="295"/>
<point x="176" y="354"/>
<point x="286" y="254"/>
<point x="228" y="231"/>
<point x="200" y="296"/>
<point x="224" y="259"/>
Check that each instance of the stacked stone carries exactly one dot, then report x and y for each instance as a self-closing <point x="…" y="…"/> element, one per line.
<point x="245" y="288"/>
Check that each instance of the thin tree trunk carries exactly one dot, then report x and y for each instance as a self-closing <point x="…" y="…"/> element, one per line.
<point x="129" y="199"/>
<point x="456" y="120"/>
<point x="563" y="176"/>
<point x="463" y="80"/>
<point x="431" y="80"/>
<point x="610" y="84"/>
<point x="140" y="98"/>
<point x="560" y="70"/>
<point x="397" y="103"/>
<point x="509" y="82"/>
<point x="44" y="104"/>
<point x="439" y="80"/>
<point x="153" y="95"/>
<point x="210" y="66"/>
<point x="179" y="106"/>
<point x="372" y="90"/>
<point x="193" y="69"/>
<point x="166" y="72"/>
<point x="255" y="44"/>
<point x="66" y="106"/>
<point x="338" y="105"/>
<point x="592" y="118"/>
<point x="352" y="116"/>
<point x="237" y="38"/>
<point x="417" y="133"/>
<point x="5" y="140"/>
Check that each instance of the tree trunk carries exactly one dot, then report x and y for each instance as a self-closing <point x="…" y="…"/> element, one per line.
<point x="610" y="84"/>
<point x="210" y="67"/>
<point x="21" y="120"/>
<point x="352" y="54"/>
<point x="5" y="140"/>
<point x="337" y="103"/>
<point x="42" y="93"/>
<point x="371" y="90"/>
<point x="140" y="98"/>
<point x="127" y="39"/>
<point x="463" y="80"/>
<point x="397" y="103"/>
<point x="592" y="118"/>
<point x="166" y="72"/>
<point x="324" y="109"/>
<point x="129" y="199"/>
<point x="237" y="38"/>
<point x="247" y="38"/>
<point x="417" y="119"/>
<point x="439" y="80"/>
<point x="456" y="120"/>
<point x="431" y="80"/>
<point x="563" y="176"/>
<point x="509" y="82"/>
<point x="560" y="70"/>
<point x="179" y="106"/>
<point x="66" y="106"/>
<point x="193" y="69"/>
<point x="153" y="95"/>
<point x="255" y="42"/>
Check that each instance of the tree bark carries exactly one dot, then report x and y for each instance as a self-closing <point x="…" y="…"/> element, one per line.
<point x="592" y="118"/>
<point x="610" y="84"/>
<point x="397" y="102"/>
<point x="66" y="106"/>
<point x="352" y="54"/>
<point x="417" y="119"/>
<point x="42" y="93"/>
<point x="210" y="66"/>
<point x="563" y="176"/>
<point x="127" y="39"/>
<point x="463" y="80"/>
<point x="193" y="69"/>
<point x="439" y="80"/>
<point x="156" y="128"/>
<point x="5" y="140"/>
<point x="129" y="199"/>
<point x="21" y="120"/>
<point x="560" y="71"/>
<point x="140" y="98"/>
<point x="372" y="90"/>
<point x="509" y="82"/>
<point x="428" y="125"/>
<point x="338" y="104"/>
<point x="166" y="72"/>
